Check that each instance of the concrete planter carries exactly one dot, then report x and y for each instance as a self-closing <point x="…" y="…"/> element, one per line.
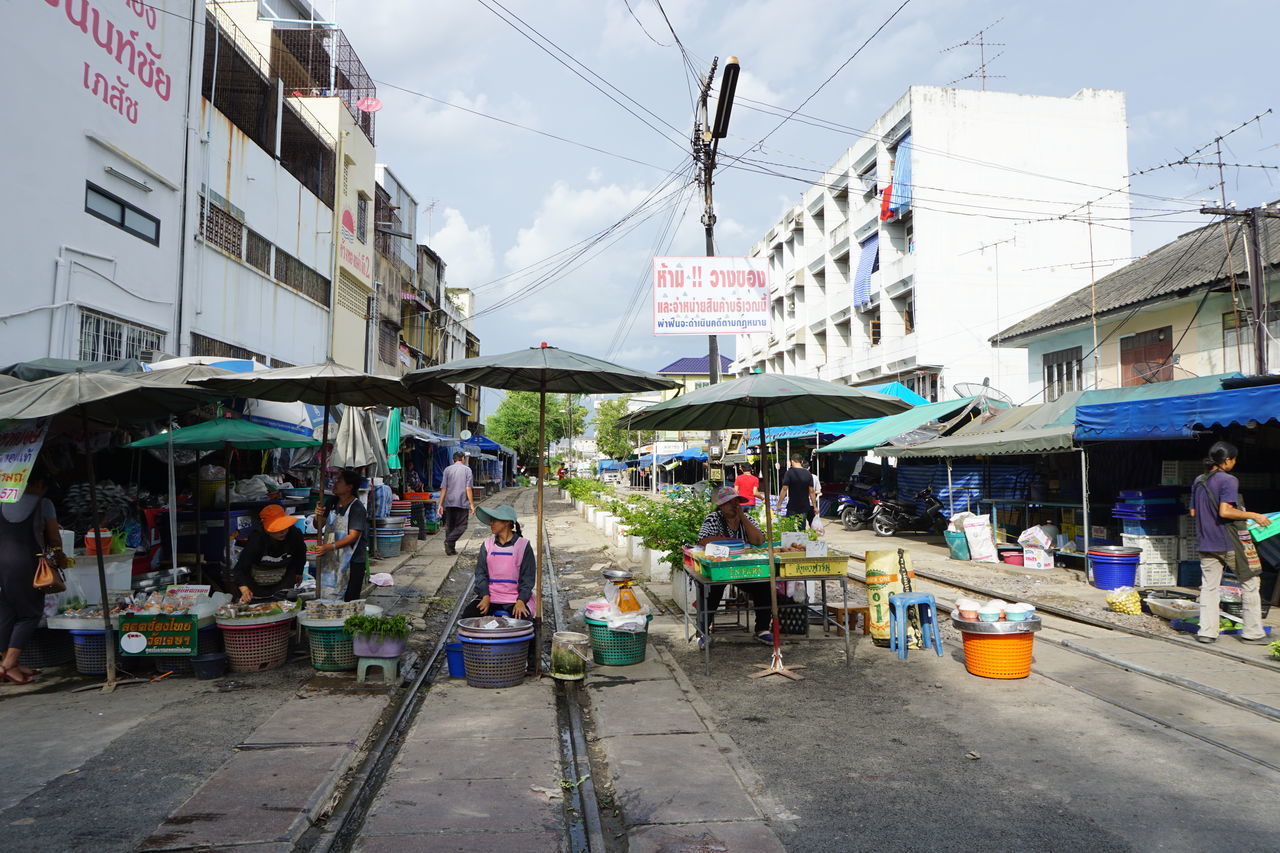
<point x="635" y="549"/>
<point x="577" y="505"/>
<point x="610" y="522"/>
<point x="589" y="513"/>
<point x="683" y="592"/>
<point x="655" y="566"/>
<point x="620" y="536"/>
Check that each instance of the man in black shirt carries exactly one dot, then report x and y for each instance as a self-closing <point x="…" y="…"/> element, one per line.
<point x="797" y="493"/>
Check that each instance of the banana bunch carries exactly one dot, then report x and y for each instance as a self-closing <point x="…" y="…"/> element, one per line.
<point x="1125" y="600"/>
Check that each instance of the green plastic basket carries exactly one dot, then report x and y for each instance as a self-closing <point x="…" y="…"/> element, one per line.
<point x="616" y="648"/>
<point x="331" y="649"/>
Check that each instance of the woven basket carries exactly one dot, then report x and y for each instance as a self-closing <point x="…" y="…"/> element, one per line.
<point x="253" y="648"/>
<point x="91" y="652"/>
<point x="208" y="641"/>
<point x="495" y="663"/>
<point x="48" y="648"/>
<point x="998" y="655"/>
<point x="331" y="649"/>
<point x="616" y="648"/>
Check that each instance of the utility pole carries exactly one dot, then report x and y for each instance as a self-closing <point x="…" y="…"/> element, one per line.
<point x="1253" y="217"/>
<point x="706" y="142"/>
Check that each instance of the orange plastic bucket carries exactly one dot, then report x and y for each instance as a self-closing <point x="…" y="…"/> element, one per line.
<point x="95" y="540"/>
<point x="998" y="655"/>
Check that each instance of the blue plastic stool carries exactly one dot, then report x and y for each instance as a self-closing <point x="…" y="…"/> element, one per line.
<point x="928" y="610"/>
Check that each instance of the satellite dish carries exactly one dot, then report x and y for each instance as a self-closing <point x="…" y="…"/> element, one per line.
<point x="982" y="390"/>
<point x="465" y="434"/>
<point x="1153" y="371"/>
<point x="369" y="105"/>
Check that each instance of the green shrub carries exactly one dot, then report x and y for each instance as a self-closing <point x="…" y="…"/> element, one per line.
<point x="668" y="525"/>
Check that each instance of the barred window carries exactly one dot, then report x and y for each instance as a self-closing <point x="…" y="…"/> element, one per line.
<point x="293" y="273"/>
<point x="107" y="338"/>
<point x="1063" y="372"/>
<point x="202" y="345"/>
<point x="388" y="343"/>
<point x="221" y="229"/>
<point x="257" y="251"/>
<point x="362" y="219"/>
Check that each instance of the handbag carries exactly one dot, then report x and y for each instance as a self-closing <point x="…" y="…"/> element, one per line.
<point x="1248" y="564"/>
<point x="48" y="578"/>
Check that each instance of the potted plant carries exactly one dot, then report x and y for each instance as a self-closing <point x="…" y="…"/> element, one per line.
<point x="378" y="636"/>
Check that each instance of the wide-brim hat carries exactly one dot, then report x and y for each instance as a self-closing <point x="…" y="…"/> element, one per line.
<point x="275" y="519"/>
<point x="725" y="495"/>
<point x="498" y="513"/>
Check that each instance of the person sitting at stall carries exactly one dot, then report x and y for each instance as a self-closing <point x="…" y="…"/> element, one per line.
<point x="729" y="523"/>
<point x="505" y="568"/>
<point x="274" y="558"/>
<point x="347" y="517"/>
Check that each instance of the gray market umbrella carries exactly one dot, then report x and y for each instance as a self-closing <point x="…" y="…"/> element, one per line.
<point x="543" y="369"/>
<point x="10" y="382"/>
<point x="106" y="397"/>
<point x="767" y="399"/>
<point x="326" y="384"/>
<point x="43" y="368"/>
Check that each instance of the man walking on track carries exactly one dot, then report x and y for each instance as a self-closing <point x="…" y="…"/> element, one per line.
<point x="456" y="501"/>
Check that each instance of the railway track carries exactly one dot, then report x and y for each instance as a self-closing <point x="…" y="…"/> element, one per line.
<point x="583" y="824"/>
<point x="1171" y="680"/>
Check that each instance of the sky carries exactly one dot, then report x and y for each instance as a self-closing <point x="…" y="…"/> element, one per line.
<point x="507" y="199"/>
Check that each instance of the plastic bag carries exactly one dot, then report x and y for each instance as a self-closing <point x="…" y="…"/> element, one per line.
<point x="1125" y="599"/>
<point x="977" y="532"/>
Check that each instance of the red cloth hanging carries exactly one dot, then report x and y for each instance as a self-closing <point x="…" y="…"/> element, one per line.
<point x="885" y="213"/>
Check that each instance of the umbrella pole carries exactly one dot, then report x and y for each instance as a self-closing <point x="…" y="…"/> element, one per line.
<point x="542" y="474"/>
<point x="173" y="503"/>
<point x="226" y="532"/>
<point x="108" y="628"/>
<point x="775" y="666"/>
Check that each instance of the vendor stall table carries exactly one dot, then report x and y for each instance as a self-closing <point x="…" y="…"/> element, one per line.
<point x="702" y="584"/>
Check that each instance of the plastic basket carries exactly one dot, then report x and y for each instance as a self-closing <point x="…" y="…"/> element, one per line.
<point x="331" y="649"/>
<point x="90" y="651"/>
<point x="1157" y="574"/>
<point x="253" y="648"/>
<point x="802" y="567"/>
<point x="1155" y="549"/>
<point x="48" y="648"/>
<point x="495" y="663"/>
<point x="998" y="655"/>
<point x="794" y="619"/>
<point x="957" y="544"/>
<point x="208" y="641"/>
<point x="615" y="648"/>
<point x="733" y="570"/>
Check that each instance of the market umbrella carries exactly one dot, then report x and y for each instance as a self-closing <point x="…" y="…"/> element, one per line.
<point x="770" y="399"/>
<point x="326" y="384"/>
<point x="10" y="381"/>
<point x="546" y="370"/>
<point x="106" y="397"/>
<point x="393" y="439"/>
<point x="223" y="434"/>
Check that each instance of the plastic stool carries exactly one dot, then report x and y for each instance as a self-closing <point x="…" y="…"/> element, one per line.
<point x="390" y="669"/>
<point x="928" y="610"/>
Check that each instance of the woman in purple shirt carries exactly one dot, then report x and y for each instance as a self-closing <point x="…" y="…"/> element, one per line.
<point x="1214" y="503"/>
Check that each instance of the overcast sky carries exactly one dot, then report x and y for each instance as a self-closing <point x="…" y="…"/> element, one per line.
<point x="506" y="198"/>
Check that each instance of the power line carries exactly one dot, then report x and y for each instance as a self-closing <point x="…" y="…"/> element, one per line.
<point x="642" y="27"/>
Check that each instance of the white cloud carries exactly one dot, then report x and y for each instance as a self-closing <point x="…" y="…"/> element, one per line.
<point x="467" y="251"/>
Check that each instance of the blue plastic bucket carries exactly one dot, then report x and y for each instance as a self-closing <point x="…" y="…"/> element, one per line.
<point x="457" y="665"/>
<point x="1113" y="566"/>
<point x="389" y="544"/>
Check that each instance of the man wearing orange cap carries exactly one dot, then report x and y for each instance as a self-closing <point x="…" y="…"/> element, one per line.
<point x="274" y="558"/>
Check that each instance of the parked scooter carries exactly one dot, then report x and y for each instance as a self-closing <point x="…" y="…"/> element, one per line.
<point x="890" y="516"/>
<point x="855" y="506"/>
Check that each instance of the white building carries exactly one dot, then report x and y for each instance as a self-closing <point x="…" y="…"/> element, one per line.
<point x="988" y="227"/>
<point x="95" y="167"/>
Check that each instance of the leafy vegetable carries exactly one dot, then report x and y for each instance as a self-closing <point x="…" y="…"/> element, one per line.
<point x="382" y="627"/>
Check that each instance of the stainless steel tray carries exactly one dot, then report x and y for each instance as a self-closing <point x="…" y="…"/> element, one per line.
<point x="1027" y="627"/>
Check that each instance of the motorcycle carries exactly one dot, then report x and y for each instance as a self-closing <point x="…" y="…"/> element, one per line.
<point x="890" y="516"/>
<point x="855" y="506"/>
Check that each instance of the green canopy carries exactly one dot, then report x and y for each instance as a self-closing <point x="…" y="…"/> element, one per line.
<point x="878" y="432"/>
<point x="545" y="369"/>
<point x="227" y="432"/>
<point x="783" y="400"/>
<point x="1053" y="439"/>
<point x="393" y="440"/>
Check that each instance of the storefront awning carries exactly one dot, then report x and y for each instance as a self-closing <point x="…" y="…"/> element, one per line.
<point x="1176" y="417"/>
<point x="835" y="428"/>
<point x="882" y="430"/>
<point x="1042" y="440"/>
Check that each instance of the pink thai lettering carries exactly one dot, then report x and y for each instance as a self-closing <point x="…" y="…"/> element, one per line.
<point x="144" y="11"/>
<point x="121" y="45"/>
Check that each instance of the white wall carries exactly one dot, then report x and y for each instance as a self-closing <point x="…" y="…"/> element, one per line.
<point x="57" y="257"/>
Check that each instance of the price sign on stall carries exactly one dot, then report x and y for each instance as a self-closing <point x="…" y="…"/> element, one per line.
<point x="143" y="636"/>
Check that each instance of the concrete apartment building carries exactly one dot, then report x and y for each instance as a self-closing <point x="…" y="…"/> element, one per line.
<point x="977" y="238"/>
<point x="395" y="273"/>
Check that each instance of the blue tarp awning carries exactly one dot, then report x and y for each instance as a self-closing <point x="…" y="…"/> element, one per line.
<point x="690" y="453"/>
<point x="868" y="262"/>
<point x="1176" y="417"/>
<point x="835" y="429"/>
<point x="610" y="465"/>
<point x="900" y="195"/>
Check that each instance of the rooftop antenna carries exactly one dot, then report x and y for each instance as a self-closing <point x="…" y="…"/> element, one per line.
<point x="430" y="206"/>
<point x="979" y="40"/>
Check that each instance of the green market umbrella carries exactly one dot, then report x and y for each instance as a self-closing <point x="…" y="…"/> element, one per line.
<point x="546" y="370"/>
<point x="768" y="399"/>
<point x="105" y="397"/>
<point x="393" y="440"/>
<point x="223" y="434"/>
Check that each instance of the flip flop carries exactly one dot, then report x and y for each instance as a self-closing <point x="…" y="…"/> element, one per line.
<point x="8" y="675"/>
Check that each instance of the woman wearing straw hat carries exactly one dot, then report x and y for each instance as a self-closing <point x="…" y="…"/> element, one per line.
<point x="274" y="558"/>
<point x="505" y="568"/>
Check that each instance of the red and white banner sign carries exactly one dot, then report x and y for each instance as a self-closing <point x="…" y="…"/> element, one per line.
<point x="710" y="296"/>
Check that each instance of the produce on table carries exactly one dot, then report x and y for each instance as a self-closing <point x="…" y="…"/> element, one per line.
<point x="253" y="611"/>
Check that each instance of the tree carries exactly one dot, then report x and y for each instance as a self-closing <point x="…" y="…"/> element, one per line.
<point x="515" y="422"/>
<point x="612" y="441"/>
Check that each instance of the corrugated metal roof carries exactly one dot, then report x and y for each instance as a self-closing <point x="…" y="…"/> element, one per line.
<point x="695" y="365"/>
<point x="1195" y="259"/>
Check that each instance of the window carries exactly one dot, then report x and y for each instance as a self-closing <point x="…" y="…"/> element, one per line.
<point x="362" y="219"/>
<point x="905" y="305"/>
<point x="1147" y="357"/>
<point x="871" y="324"/>
<point x="257" y="251"/>
<point x="294" y="274"/>
<point x="924" y="384"/>
<point x="1062" y="373"/>
<point x="221" y="230"/>
<point x="1237" y="342"/>
<point x="388" y="343"/>
<point x="107" y="338"/>
<point x="111" y="208"/>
